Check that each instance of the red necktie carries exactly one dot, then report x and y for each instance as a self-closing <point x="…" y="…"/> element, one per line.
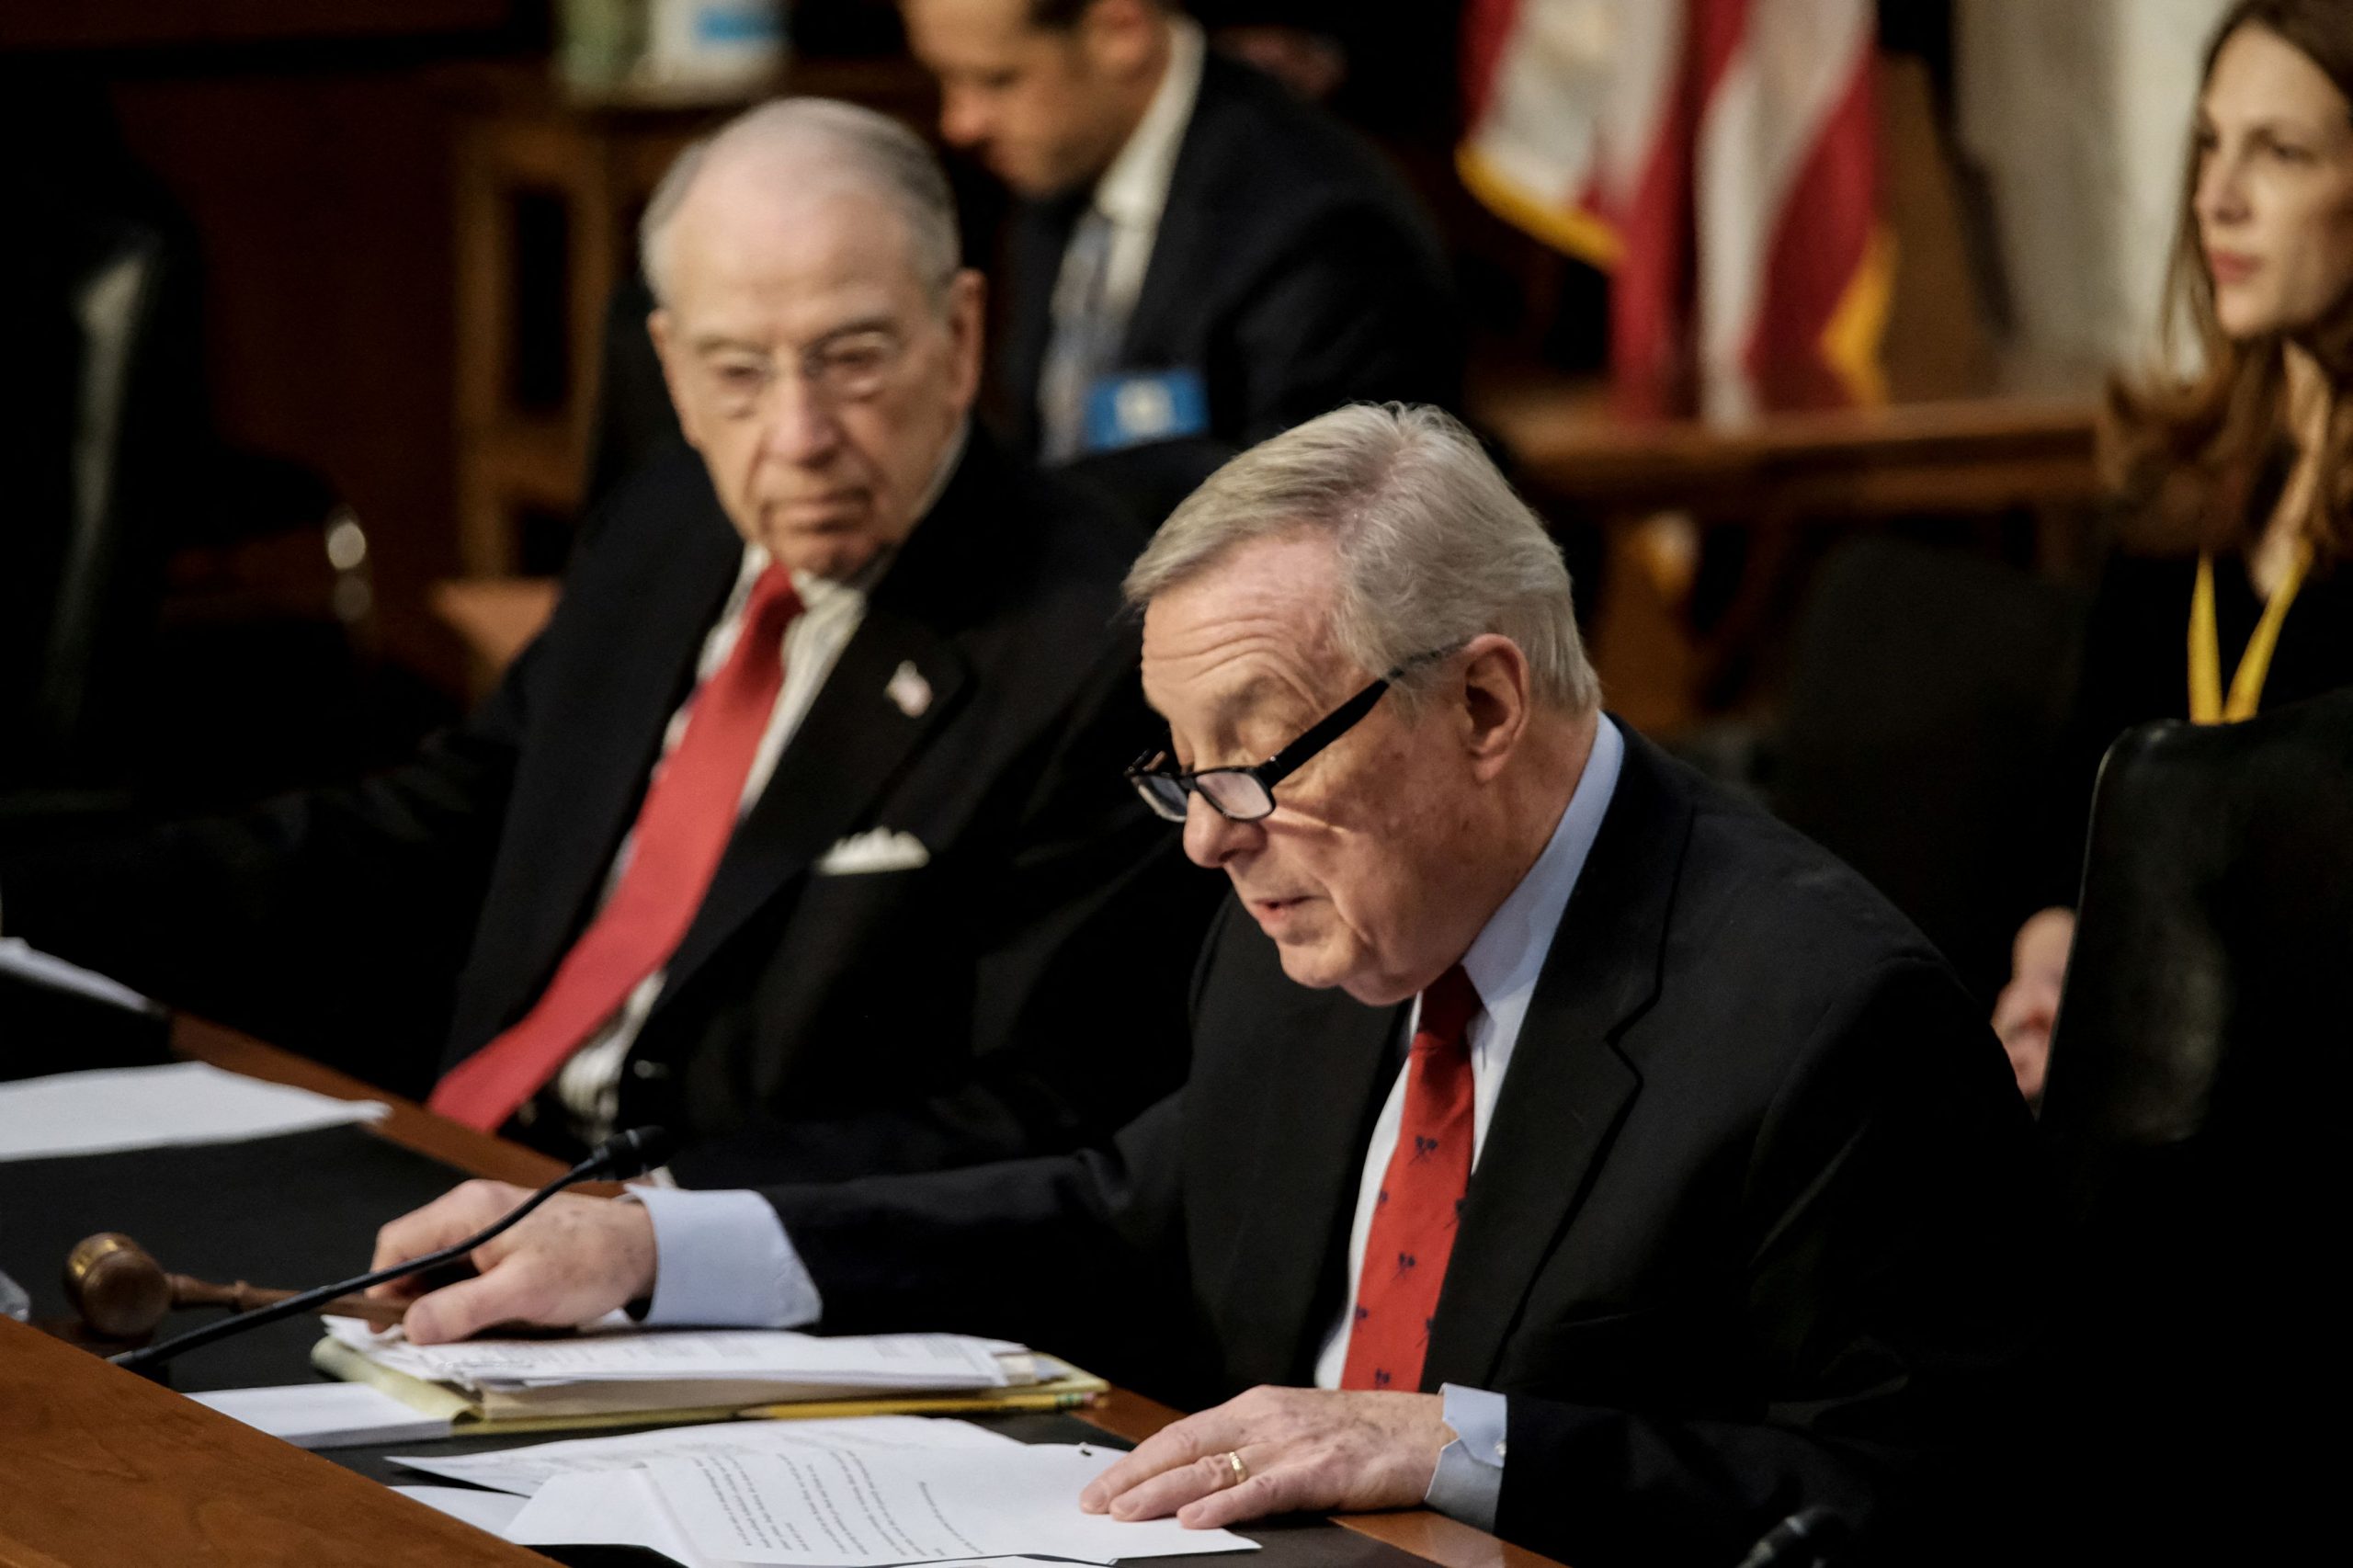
<point x="689" y="812"/>
<point x="1421" y="1196"/>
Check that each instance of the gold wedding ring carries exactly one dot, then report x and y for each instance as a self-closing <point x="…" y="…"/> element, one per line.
<point x="1234" y="1462"/>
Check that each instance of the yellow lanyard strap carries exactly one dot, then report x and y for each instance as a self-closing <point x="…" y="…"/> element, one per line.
<point x="2206" y="704"/>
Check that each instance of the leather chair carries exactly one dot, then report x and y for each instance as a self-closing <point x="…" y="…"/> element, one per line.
<point x="92" y="568"/>
<point x="2194" y="1123"/>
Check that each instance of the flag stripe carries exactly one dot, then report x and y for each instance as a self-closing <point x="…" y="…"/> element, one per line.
<point x="1488" y="26"/>
<point x="1718" y="155"/>
<point x="1824" y="232"/>
<point x="1776" y="111"/>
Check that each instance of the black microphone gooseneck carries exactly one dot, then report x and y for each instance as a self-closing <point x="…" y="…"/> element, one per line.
<point x="622" y="1155"/>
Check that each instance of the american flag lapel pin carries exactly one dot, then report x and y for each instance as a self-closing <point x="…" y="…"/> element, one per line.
<point x="909" y="689"/>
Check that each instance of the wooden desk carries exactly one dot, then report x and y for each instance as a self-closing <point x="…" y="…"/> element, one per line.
<point x="112" y="1472"/>
<point x="102" y="1469"/>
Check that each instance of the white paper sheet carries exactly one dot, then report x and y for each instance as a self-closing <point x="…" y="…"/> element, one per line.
<point x="44" y="969"/>
<point x="620" y="1509"/>
<point x="113" y="1108"/>
<point x="625" y="1510"/>
<point x="526" y="1470"/>
<point x="887" y="1362"/>
<point x="850" y="1509"/>
<point x="492" y="1511"/>
<point x="326" y="1416"/>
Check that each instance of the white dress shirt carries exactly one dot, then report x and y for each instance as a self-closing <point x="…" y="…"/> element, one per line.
<point x="588" y="1084"/>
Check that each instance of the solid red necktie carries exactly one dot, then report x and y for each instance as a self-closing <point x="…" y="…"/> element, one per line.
<point x="682" y="828"/>
<point x="1420" y="1200"/>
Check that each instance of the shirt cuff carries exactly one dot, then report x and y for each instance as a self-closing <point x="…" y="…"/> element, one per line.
<point x="722" y="1260"/>
<point x="1469" y="1476"/>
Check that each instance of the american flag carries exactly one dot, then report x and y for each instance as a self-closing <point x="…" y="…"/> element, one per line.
<point x="1719" y="158"/>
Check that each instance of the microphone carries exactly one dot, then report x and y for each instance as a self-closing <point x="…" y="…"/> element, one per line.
<point x="1807" y="1537"/>
<point x="622" y="1155"/>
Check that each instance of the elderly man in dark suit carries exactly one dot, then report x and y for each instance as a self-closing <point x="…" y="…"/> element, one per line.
<point x="1567" y="1144"/>
<point x="795" y="829"/>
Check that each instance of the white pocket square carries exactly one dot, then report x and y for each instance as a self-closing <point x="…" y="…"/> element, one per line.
<point x="881" y="850"/>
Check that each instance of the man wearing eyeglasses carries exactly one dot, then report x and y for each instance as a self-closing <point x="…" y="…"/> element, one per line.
<point x="1567" y="1145"/>
<point x="799" y="830"/>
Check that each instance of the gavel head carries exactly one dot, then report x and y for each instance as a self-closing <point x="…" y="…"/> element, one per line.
<point x="115" y="1286"/>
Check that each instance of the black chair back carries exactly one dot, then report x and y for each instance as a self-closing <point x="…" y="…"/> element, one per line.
<point x="109" y="571"/>
<point x="2193" y="1121"/>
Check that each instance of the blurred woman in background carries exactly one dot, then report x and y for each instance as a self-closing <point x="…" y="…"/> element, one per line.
<point x="2239" y="470"/>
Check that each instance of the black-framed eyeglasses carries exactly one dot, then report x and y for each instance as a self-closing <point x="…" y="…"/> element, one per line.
<point x="1247" y="793"/>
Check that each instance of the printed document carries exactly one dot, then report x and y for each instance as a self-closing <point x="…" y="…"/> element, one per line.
<point x="526" y="1470"/>
<point x="874" y="1509"/>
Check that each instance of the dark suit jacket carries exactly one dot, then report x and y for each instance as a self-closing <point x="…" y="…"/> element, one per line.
<point x="1751" y="1228"/>
<point x="1292" y="269"/>
<point x="905" y="1020"/>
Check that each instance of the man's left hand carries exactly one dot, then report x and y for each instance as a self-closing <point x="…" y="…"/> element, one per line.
<point x="1300" y="1449"/>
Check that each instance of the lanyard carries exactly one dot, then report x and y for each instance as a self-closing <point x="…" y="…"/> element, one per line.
<point x="2206" y="704"/>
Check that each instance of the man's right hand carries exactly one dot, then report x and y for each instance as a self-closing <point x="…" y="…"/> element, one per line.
<point x="573" y="1261"/>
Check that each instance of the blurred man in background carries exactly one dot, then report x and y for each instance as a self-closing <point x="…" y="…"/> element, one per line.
<point x="1197" y="254"/>
<point x="799" y="829"/>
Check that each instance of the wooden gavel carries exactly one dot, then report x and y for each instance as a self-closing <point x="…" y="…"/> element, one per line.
<point x="119" y="1289"/>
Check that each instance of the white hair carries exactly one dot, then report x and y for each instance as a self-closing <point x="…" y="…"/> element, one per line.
<point x="1434" y="548"/>
<point x="823" y="138"/>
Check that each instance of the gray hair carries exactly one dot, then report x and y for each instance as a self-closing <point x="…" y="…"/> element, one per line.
<point x="838" y="142"/>
<point x="1433" y="547"/>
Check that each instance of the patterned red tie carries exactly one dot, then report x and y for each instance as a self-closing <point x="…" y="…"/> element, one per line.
<point x="1421" y="1197"/>
<point x="689" y="812"/>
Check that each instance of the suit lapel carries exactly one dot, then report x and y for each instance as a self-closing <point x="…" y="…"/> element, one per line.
<point x="1188" y="230"/>
<point x="1568" y="1085"/>
<point x="612" y="724"/>
<point x="1335" y="1064"/>
<point x="855" y="738"/>
<point x="843" y="754"/>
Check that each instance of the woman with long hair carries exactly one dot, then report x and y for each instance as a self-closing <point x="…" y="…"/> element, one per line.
<point x="2230" y="588"/>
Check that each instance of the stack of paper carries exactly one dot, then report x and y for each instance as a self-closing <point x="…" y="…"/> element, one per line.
<point x="619" y="1370"/>
<point x="874" y="1493"/>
